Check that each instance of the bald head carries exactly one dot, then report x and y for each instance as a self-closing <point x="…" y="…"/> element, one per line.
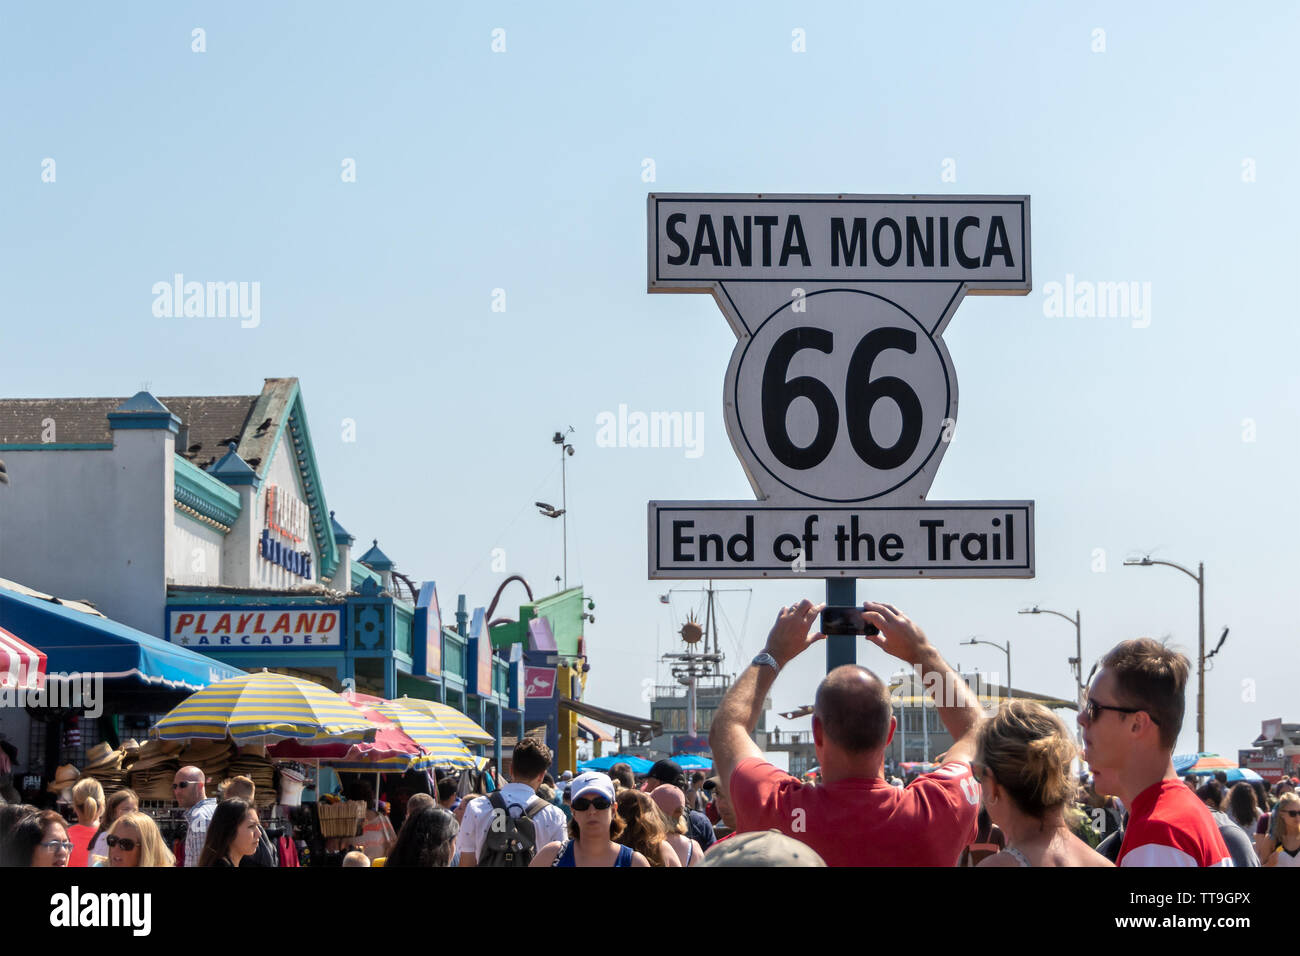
<point x="852" y="706"/>
<point x="188" y="786"/>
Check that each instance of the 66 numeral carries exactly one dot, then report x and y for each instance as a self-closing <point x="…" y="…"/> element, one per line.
<point x="861" y="393"/>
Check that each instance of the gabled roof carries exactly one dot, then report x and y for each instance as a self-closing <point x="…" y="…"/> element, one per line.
<point x="375" y="559"/>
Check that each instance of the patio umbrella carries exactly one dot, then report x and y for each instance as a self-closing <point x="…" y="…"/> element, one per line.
<point x="639" y="765"/>
<point x="22" y="667"/>
<point x="443" y="747"/>
<point x="392" y="750"/>
<point x="1202" y="765"/>
<point x="450" y="718"/>
<point x="692" y="762"/>
<point x="265" y="707"/>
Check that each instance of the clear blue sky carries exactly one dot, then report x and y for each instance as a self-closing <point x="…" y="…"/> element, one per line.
<point x="522" y="171"/>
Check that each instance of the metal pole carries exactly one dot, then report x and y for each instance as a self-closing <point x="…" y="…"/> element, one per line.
<point x="564" y="504"/>
<point x="841" y="648"/>
<point x="1200" y="664"/>
<point x="1010" y="693"/>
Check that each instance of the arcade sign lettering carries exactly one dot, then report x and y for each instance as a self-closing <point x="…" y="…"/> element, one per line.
<point x="287" y="520"/>
<point x="246" y="628"/>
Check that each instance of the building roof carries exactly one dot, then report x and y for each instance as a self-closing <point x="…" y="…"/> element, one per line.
<point x="375" y="559"/>
<point x="210" y="422"/>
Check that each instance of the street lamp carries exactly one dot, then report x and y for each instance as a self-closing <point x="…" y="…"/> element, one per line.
<point x="1199" y="578"/>
<point x="1077" y="660"/>
<point x="566" y="451"/>
<point x="1005" y="650"/>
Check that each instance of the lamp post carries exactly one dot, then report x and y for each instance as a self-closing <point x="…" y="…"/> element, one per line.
<point x="1005" y="650"/>
<point x="1199" y="578"/>
<point x="550" y="511"/>
<point x="1077" y="660"/>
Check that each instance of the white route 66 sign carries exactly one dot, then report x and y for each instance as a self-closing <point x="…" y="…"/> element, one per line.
<point x="840" y="389"/>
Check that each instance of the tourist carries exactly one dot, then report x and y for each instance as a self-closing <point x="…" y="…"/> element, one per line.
<point x="123" y="801"/>
<point x="621" y="774"/>
<point x="670" y="772"/>
<point x="1130" y="723"/>
<point x="232" y="834"/>
<point x="719" y="812"/>
<point x="507" y="827"/>
<point x="356" y="858"/>
<point x="88" y="804"/>
<point x="1284" y="848"/>
<point x="672" y="804"/>
<point x="696" y="798"/>
<point x="448" y="799"/>
<point x="189" y="789"/>
<point x="377" y="835"/>
<point x="1023" y="761"/>
<point x="428" y="838"/>
<point x="11" y="816"/>
<point x="644" y="828"/>
<point x="1240" y="846"/>
<point x="592" y="831"/>
<point x="766" y="848"/>
<point x="37" y="838"/>
<point x="854" y="817"/>
<point x="244" y="788"/>
<point x="134" y="840"/>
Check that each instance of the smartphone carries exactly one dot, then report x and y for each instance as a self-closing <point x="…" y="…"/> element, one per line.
<point x="846" y="620"/>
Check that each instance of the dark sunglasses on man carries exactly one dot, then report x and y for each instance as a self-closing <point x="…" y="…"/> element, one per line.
<point x="1093" y="710"/>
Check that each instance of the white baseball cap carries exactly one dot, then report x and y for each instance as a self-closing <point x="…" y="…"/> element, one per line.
<point x="592" y="782"/>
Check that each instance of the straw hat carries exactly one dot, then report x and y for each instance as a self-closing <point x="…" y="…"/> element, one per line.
<point x="64" y="778"/>
<point x="99" y="754"/>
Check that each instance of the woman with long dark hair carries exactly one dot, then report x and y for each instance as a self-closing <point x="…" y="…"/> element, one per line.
<point x="232" y="835"/>
<point x="593" y="829"/>
<point x="428" y="838"/>
<point x="644" y="829"/>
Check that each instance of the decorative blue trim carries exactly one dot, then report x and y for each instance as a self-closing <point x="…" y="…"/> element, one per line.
<point x="59" y="446"/>
<point x="143" y="411"/>
<point x="233" y="470"/>
<point x="341" y="535"/>
<point x="168" y="422"/>
<point x="375" y="559"/>
<point x="196" y="489"/>
<point x="362" y="573"/>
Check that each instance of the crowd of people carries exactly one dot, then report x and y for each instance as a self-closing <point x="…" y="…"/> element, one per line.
<point x="1004" y="794"/>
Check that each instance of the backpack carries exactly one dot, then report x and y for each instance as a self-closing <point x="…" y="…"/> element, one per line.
<point x="510" y="840"/>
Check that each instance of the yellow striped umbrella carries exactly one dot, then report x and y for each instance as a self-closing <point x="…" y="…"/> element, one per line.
<point x="444" y="749"/>
<point x="265" y="707"/>
<point x="451" y="718"/>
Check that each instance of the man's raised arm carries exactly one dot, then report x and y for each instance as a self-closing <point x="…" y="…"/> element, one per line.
<point x="737" y="715"/>
<point x="958" y="706"/>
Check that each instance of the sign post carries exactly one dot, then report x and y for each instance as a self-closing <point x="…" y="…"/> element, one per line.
<point x="840" y="398"/>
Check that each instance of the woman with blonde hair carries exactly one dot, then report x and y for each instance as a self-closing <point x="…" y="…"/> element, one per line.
<point x="1282" y="846"/>
<point x="644" y="829"/>
<point x="123" y="801"/>
<point x="671" y="802"/>
<point x="1023" y="762"/>
<point x="88" y="802"/>
<point x="134" y="840"/>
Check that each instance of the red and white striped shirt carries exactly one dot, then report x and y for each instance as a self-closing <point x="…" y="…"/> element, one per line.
<point x="1168" y="825"/>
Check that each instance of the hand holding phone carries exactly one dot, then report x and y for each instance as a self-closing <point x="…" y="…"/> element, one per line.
<point x="840" y="619"/>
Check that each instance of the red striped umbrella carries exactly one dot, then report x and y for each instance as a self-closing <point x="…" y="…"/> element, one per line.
<point x="21" y="665"/>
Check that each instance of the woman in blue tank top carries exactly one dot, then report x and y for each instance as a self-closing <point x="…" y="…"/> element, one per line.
<point x="592" y="830"/>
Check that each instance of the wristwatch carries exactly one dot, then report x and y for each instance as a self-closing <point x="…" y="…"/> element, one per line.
<point x="768" y="659"/>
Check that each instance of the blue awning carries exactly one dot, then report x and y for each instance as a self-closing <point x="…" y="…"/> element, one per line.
<point x="77" y="642"/>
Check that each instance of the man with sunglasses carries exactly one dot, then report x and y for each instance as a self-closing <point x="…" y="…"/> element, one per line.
<point x="188" y="789"/>
<point x="1130" y="725"/>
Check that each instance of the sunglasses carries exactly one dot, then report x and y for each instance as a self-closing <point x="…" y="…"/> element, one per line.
<point x="54" y="845"/>
<point x="584" y="803"/>
<point x="1094" y="709"/>
<point x="126" y="843"/>
<point x="1292" y="813"/>
<point x="182" y="785"/>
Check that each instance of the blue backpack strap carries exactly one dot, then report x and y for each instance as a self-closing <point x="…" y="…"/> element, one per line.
<point x="624" y="856"/>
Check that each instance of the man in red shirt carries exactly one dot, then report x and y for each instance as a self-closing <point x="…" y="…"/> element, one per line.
<point x="1130" y="725"/>
<point x="854" y="817"/>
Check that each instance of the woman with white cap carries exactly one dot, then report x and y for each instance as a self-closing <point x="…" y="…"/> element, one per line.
<point x="592" y="830"/>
